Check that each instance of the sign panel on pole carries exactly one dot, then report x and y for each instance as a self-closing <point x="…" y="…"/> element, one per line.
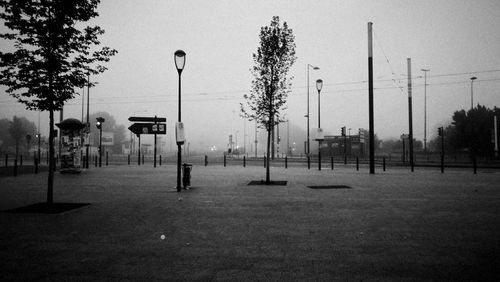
<point x="179" y="133"/>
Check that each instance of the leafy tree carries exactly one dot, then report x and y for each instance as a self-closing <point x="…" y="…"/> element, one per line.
<point x="473" y="130"/>
<point x="19" y="128"/>
<point x="51" y="56"/>
<point x="271" y="84"/>
<point x="470" y="131"/>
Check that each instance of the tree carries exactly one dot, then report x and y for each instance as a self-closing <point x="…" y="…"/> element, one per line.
<point x="271" y="84"/>
<point x="51" y="56"/>
<point x="470" y="131"/>
<point x="20" y="128"/>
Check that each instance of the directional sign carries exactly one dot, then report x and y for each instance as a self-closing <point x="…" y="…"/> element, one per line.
<point x="148" y="128"/>
<point x="147" y="119"/>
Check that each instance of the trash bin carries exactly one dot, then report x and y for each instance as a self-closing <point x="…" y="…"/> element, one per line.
<point x="186" y="174"/>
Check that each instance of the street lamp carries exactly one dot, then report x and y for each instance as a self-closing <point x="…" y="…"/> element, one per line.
<point x="180" y="61"/>
<point x="314" y="68"/>
<point x="98" y="124"/>
<point x="425" y="109"/>
<point x="319" y="85"/>
<point x="472" y="92"/>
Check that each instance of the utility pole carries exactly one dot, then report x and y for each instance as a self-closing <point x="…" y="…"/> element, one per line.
<point x="425" y="109"/>
<point x="410" y="118"/>
<point x="495" y="128"/>
<point x="370" y="99"/>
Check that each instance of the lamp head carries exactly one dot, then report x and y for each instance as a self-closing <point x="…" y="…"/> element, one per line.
<point x="473" y="78"/>
<point x="319" y="84"/>
<point x="180" y="60"/>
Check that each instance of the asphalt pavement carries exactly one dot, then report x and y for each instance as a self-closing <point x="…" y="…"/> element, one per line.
<point x="391" y="226"/>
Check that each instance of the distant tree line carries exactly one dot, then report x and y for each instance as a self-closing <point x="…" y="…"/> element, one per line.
<point x="17" y="135"/>
<point x="470" y="132"/>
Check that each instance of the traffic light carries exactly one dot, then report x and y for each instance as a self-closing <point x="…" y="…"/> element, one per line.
<point x="440" y="131"/>
<point x="99" y="122"/>
<point x="343" y="131"/>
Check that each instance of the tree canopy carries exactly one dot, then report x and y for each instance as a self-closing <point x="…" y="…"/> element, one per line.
<point x="271" y="84"/>
<point x="51" y="55"/>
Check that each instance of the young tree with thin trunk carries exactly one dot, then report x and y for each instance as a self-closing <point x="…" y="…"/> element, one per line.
<point x="52" y="56"/>
<point x="271" y="84"/>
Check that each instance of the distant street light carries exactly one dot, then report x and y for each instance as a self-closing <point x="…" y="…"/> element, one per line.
<point x="472" y="92"/>
<point x="99" y="122"/>
<point x="308" y="145"/>
<point x="319" y="86"/>
<point x="180" y="61"/>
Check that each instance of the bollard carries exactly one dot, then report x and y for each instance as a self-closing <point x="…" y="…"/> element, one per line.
<point x="474" y="163"/>
<point x="106" y="158"/>
<point x="128" y="159"/>
<point x="383" y="163"/>
<point x="224" y="160"/>
<point x="286" y="161"/>
<point x="206" y="160"/>
<point x="357" y="163"/>
<point x="345" y="159"/>
<point x="160" y="160"/>
<point x="308" y="162"/>
<point x="331" y="162"/>
<point x="244" y="161"/>
<point x="265" y="162"/>
<point x="95" y="161"/>
<point x="36" y="165"/>
<point x="15" y="167"/>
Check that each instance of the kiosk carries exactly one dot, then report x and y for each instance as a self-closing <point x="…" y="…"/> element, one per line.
<point x="71" y="137"/>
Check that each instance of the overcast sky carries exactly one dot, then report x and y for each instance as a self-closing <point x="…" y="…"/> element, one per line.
<point x="454" y="39"/>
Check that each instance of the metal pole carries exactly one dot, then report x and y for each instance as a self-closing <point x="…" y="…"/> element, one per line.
<point x="370" y="99"/>
<point x="425" y="109"/>
<point x="308" y="146"/>
<point x="88" y="123"/>
<point x="495" y="126"/>
<point x="319" y="126"/>
<point x="100" y="146"/>
<point x="256" y="139"/>
<point x="154" y="158"/>
<point x="179" y="157"/>
<point x="410" y="118"/>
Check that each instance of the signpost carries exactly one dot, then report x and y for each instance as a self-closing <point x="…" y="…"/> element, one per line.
<point x="148" y="125"/>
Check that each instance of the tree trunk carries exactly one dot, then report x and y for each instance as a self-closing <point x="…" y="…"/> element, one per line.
<point x="50" y="186"/>
<point x="268" y="177"/>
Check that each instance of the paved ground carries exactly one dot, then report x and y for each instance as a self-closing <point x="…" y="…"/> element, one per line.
<point x="391" y="226"/>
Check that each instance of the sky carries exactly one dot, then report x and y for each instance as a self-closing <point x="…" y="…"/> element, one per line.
<point x="455" y="39"/>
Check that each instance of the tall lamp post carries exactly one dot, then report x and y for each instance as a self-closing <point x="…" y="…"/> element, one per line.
<point x="319" y="85"/>
<point x="99" y="123"/>
<point x="308" y="145"/>
<point x="87" y="124"/>
<point x="472" y="92"/>
<point x="425" y="109"/>
<point x="180" y="61"/>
